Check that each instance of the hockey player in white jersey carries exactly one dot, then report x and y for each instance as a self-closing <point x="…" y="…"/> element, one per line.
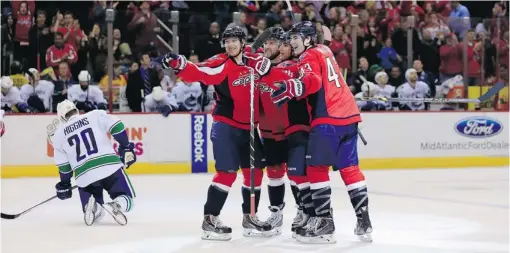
<point x="385" y="90"/>
<point x="10" y="97"/>
<point x="160" y="101"/>
<point x="189" y="96"/>
<point x="369" y="89"/>
<point x="37" y="94"/>
<point x="82" y="147"/>
<point x="413" y="88"/>
<point x="86" y="97"/>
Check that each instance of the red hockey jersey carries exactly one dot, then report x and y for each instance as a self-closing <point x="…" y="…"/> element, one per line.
<point x="232" y="87"/>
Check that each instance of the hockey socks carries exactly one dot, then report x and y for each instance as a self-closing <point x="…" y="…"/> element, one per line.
<point x="320" y="189"/>
<point x="295" y="193"/>
<point x="276" y="185"/>
<point x="354" y="180"/>
<point x="245" y="190"/>
<point x="218" y="192"/>
<point x="125" y="202"/>
<point x="303" y="194"/>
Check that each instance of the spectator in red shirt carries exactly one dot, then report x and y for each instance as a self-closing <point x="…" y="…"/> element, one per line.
<point x="23" y="23"/>
<point x="341" y="47"/>
<point x="72" y="34"/>
<point x="60" y="52"/>
<point x="451" y="58"/>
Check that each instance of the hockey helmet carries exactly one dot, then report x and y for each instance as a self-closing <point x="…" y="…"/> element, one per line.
<point x="84" y="76"/>
<point x="7" y="82"/>
<point x="304" y="29"/>
<point x="276" y="33"/>
<point x="16" y="68"/>
<point x="234" y="32"/>
<point x="381" y="77"/>
<point x="64" y="110"/>
<point x="33" y="74"/>
<point x="158" y="94"/>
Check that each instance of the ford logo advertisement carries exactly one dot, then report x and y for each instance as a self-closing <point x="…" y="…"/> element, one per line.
<point x="478" y="127"/>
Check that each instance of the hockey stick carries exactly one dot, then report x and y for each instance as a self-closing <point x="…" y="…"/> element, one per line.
<point x="14" y="216"/>
<point x="491" y="92"/>
<point x="252" y="142"/>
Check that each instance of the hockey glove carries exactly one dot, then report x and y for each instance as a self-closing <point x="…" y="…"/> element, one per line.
<point x="102" y="106"/>
<point x="173" y="61"/>
<point x="127" y="154"/>
<point x="64" y="190"/>
<point x="286" y="90"/>
<point x="260" y="64"/>
<point x="90" y="106"/>
<point x="165" y="110"/>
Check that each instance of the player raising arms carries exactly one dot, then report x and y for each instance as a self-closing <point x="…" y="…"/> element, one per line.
<point x="230" y="133"/>
<point x="333" y="137"/>
<point x="82" y="146"/>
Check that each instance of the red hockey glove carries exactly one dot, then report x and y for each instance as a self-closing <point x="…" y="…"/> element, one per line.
<point x="173" y="61"/>
<point x="286" y="90"/>
<point x="260" y="64"/>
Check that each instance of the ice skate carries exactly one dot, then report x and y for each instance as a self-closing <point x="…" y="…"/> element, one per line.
<point x="213" y="229"/>
<point x="275" y="220"/>
<point x="113" y="208"/>
<point x="253" y="227"/>
<point x="299" y="221"/>
<point x="93" y="212"/>
<point x="363" y="226"/>
<point x="319" y="230"/>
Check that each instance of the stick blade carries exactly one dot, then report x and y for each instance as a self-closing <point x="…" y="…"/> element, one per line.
<point x="493" y="91"/>
<point x="8" y="216"/>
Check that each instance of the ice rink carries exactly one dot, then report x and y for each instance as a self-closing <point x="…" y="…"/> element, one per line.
<point x="413" y="211"/>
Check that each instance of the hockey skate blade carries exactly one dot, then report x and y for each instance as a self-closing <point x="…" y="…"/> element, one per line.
<point x="88" y="216"/>
<point x="251" y="232"/>
<point x="120" y="218"/>
<point x="323" y="239"/>
<point x="365" y="237"/>
<point x="274" y="232"/>
<point x="212" y="236"/>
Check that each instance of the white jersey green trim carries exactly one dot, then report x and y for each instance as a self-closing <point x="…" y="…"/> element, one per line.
<point x="96" y="162"/>
<point x="64" y="168"/>
<point x="117" y="128"/>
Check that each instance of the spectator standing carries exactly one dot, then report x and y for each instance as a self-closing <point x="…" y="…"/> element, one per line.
<point x="145" y="25"/>
<point x="24" y="21"/>
<point x="429" y="52"/>
<point x="62" y="83"/>
<point x="456" y="19"/>
<point x="60" y="52"/>
<point x="72" y="34"/>
<point x="7" y="43"/>
<point x="140" y="83"/>
<point x="211" y="45"/>
<point x="341" y="47"/>
<point x="451" y="58"/>
<point x="41" y="39"/>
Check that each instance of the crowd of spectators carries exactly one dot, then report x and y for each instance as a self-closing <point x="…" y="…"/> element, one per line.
<point x="60" y="41"/>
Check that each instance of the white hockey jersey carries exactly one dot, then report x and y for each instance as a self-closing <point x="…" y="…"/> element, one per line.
<point x="421" y="90"/>
<point x="44" y="89"/>
<point x="12" y="97"/>
<point x="153" y="106"/>
<point x="188" y="95"/>
<point x="82" y="146"/>
<point x="92" y="94"/>
<point x="387" y="91"/>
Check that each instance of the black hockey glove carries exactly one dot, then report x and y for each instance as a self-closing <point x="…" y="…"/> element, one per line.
<point x="64" y="190"/>
<point x="127" y="154"/>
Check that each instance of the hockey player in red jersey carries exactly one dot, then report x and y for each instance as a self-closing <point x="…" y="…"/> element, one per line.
<point x="230" y="133"/>
<point x="333" y="136"/>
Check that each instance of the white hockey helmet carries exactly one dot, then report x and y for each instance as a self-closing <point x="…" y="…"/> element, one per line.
<point x="411" y="73"/>
<point x="64" y="108"/>
<point x="157" y="94"/>
<point x="381" y="77"/>
<point x="34" y="72"/>
<point x="84" y="76"/>
<point x="6" y="82"/>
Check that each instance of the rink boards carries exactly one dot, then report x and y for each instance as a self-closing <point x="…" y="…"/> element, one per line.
<point x="181" y="144"/>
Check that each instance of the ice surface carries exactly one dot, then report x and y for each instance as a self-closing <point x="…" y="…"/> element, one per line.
<point x="413" y="211"/>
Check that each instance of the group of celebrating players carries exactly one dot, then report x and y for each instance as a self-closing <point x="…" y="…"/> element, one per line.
<point x="307" y="118"/>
